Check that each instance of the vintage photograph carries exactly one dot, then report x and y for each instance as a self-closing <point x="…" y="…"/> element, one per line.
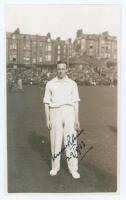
<point x="62" y="69"/>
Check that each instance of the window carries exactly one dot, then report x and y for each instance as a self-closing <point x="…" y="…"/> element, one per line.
<point x="13" y="37"/>
<point x="13" y="57"/>
<point x="48" y="40"/>
<point x="58" y="58"/>
<point x="49" y="47"/>
<point x="13" y="46"/>
<point x="34" y="60"/>
<point x="58" y="51"/>
<point x="48" y="57"/>
<point x="104" y="55"/>
<point x="27" y="45"/>
<point x="10" y="57"/>
<point x="102" y="42"/>
<point x="26" y="58"/>
<point x="40" y="59"/>
<point x="59" y="47"/>
<point x="83" y="44"/>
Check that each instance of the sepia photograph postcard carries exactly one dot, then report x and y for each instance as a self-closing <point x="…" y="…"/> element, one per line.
<point x="62" y="85"/>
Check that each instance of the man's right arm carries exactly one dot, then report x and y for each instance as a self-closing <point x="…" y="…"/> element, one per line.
<point x="46" y="101"/>
<point x="47" y="113"/>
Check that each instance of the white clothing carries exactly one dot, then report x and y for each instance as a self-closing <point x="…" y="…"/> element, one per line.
<point x="62" y="121"/>
<point x="61" y="92"/>
<point x="61" y="96"/>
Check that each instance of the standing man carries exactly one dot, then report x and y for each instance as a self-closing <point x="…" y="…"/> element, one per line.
<point x="61" y="109"/>
<point x="19" y="83"/>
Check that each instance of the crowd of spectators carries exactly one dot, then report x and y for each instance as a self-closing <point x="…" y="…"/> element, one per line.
<point x="83" y="76"/>
<point x="95" y="76"/>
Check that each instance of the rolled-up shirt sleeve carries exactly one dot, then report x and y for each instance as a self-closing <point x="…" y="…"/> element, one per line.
<point x="47" y="95"/>
<point x="75" y="93"/>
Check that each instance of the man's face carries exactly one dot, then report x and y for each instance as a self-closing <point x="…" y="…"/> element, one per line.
<point x="61" y="70"/>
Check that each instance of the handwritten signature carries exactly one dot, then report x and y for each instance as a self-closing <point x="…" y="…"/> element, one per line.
<point x="75" y="150"/>
<point x="80" y="148"/>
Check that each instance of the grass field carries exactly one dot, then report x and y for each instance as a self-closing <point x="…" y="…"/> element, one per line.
<point x="29" y="158"/>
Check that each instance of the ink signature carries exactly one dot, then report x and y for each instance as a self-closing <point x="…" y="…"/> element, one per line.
<point x="80" y="148"/>
<point x="75" y="150"/>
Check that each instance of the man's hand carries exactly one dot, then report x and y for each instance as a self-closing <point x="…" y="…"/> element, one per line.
<point x="48" y="124"/>
<point x="77" y="125"/>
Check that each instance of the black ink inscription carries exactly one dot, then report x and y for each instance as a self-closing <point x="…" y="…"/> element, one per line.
<point x="74" y="152"/>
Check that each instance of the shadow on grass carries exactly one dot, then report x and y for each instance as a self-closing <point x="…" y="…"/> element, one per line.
<point x="41" y="145"/>
<point x="92" y="178"/>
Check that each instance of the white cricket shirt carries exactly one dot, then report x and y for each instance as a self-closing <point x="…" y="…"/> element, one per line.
<point x="61" y="92"/>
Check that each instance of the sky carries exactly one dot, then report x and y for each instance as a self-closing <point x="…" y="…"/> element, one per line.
<point x="63" y="20"/>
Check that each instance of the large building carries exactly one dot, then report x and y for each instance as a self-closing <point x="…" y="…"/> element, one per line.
<point x="29" y="50"/>
<point x="100" y="46"/>
<point x="37" y="50"/>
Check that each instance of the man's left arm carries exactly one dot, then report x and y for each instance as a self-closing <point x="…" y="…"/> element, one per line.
<point x="77" y="123"/>
<point x="76" y="100"/>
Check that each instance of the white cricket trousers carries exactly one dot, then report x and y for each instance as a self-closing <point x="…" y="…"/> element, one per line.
<point x="62" y="120"/>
